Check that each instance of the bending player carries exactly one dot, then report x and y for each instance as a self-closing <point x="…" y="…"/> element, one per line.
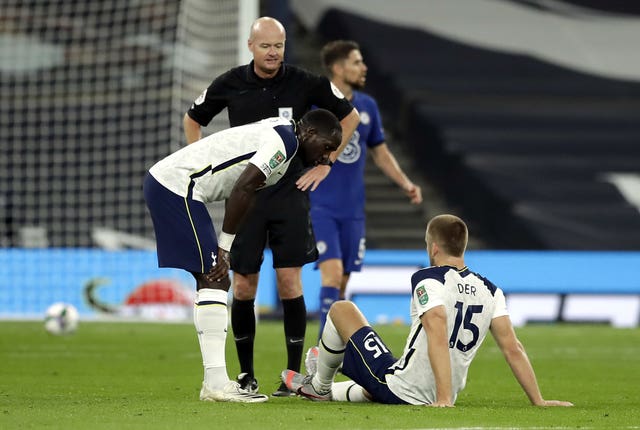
<point x="232" y="164"/>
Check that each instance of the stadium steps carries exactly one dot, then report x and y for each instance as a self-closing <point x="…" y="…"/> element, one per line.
<point x="521" y="147"/>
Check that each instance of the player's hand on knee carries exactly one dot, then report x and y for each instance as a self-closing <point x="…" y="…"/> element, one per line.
<point x="221" y="268"/>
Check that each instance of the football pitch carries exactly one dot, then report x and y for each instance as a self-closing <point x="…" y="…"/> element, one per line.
<point x="147" y="376"/>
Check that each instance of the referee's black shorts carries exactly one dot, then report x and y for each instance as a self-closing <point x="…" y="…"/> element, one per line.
<point x="280" y="219"/>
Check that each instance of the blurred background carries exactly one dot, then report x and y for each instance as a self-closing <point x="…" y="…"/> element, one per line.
<point x="521" y="116"/>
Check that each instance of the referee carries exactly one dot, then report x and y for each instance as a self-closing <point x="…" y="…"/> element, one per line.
<point x="264" y="88"/>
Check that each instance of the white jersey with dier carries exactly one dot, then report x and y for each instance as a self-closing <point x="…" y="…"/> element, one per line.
<point x="471" y="302"/>
<point x="206" y="170"/>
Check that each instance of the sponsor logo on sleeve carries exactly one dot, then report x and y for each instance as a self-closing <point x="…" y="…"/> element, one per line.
<point x="265" y="168"/>
<point x="276" y="160"/>
<point x="423" y="297"/>
<point x="201" y="98"/>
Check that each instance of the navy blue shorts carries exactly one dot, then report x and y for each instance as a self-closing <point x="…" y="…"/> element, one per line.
<point x="366" y="361"/>
<point x="338" y="238"/>
<point x="185" y="237"/>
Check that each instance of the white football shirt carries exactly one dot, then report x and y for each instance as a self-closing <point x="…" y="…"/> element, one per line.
<point x="206" y="170"/>
<point x="471" y="302"/>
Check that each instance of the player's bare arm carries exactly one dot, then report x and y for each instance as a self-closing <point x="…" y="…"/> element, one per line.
<point x="312" y="178"/>
<point x="386" y="162"/>
<point x="434" y="323"/>
<point x="241" y="198"/>
<point x="238" y="204"/>
<point x="192" y="130"/>
<point x="516" y="356"/>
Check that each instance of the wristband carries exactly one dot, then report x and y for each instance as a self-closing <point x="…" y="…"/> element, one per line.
<point x="225" y="241"/>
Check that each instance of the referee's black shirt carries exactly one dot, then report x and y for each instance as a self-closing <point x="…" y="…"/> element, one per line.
<point x="249" y="98"/>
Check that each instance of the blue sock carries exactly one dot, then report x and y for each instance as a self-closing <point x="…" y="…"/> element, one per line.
<point x="328" y="295"/>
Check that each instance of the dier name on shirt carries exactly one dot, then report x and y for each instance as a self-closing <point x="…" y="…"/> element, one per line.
<point x="467" y="289"/>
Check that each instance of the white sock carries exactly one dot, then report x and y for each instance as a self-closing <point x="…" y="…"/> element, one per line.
<point x="210" y="319"/>
<point x="330" y="355"/>
<point x="348" y="391"/>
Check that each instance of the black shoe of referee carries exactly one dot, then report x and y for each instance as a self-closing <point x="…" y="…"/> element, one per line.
<point x="248" y="383"/>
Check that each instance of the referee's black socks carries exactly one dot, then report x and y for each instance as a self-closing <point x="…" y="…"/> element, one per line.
<point x="243" y="323"/>
<point x="295" y="326"/>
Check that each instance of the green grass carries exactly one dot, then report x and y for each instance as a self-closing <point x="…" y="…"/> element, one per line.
<point x="122" y="375"/>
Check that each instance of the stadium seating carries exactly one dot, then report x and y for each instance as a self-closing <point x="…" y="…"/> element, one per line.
<point x="523" y="147"/>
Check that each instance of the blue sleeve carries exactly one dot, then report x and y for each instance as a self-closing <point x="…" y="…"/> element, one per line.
<point x="376" y="137"/>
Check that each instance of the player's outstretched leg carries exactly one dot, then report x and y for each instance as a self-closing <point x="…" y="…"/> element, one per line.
<point x="303" y="386"/>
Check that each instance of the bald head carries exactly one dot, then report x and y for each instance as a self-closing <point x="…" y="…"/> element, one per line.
<point x="266" y="43"/>
<point x="266" y="24"/>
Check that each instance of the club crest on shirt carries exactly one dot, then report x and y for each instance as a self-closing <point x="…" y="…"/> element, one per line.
<point x="423" y="297"/>
<point x="285" y="112"/>
<point x="352" y="151"/>
<point x="276" y="160"/>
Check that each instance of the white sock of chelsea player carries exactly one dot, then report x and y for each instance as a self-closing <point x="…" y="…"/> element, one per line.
<point x="210" y="319"/>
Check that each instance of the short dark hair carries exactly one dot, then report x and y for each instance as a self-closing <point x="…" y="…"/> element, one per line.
<point x="325" y="122"/>
<point x="450" y="233"/>
<point x="335" y="51"/>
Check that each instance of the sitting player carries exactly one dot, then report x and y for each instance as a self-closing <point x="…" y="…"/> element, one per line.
<point x="452" y="310"/>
